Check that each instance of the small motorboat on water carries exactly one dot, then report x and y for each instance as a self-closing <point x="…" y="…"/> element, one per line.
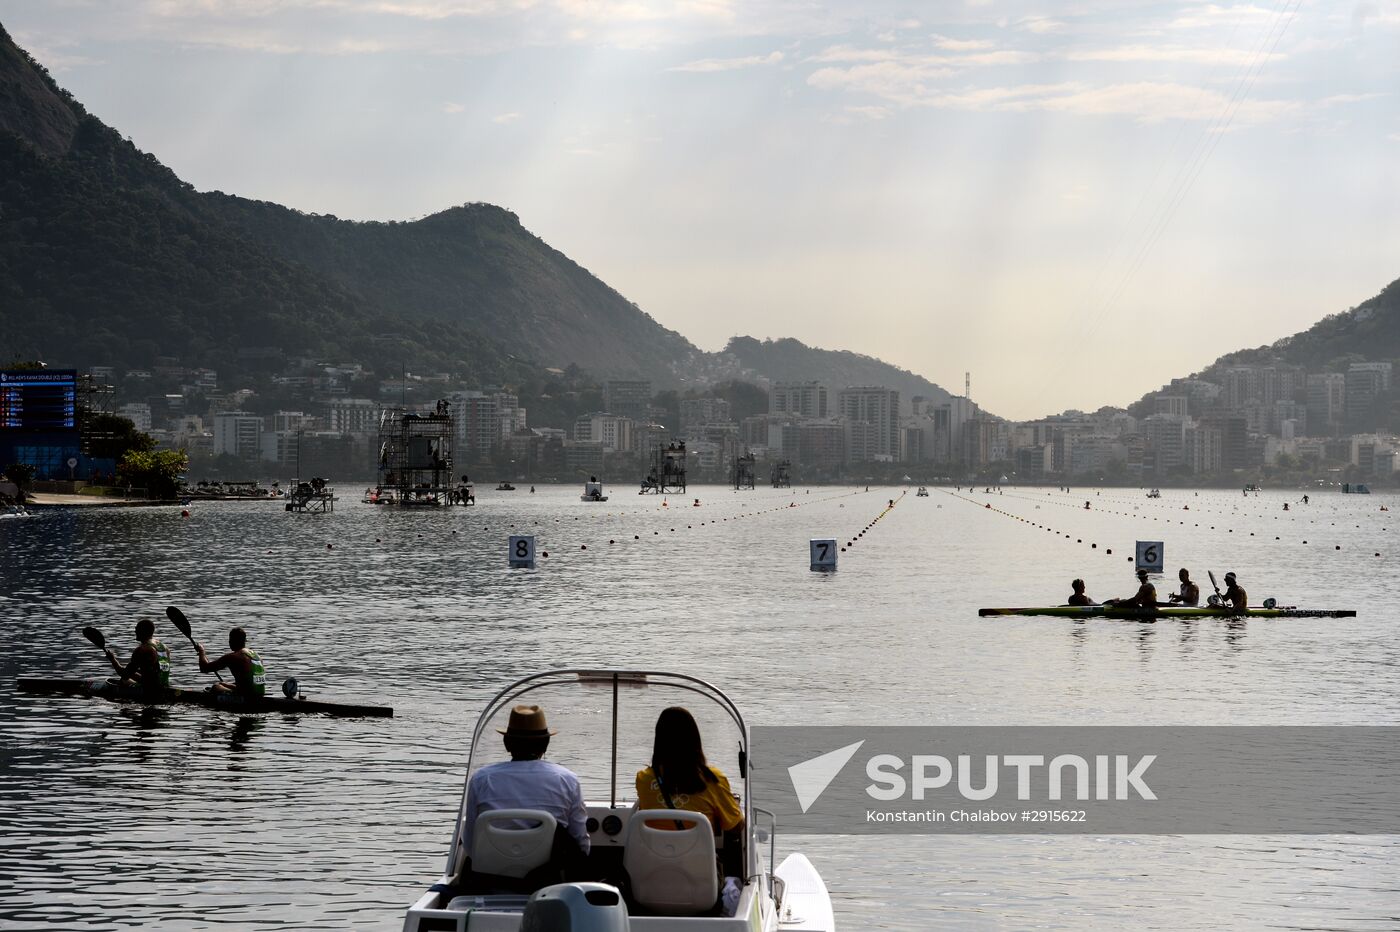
<point x="593" y="491"/>
<point x="505" y="487"/>
<point x="605" y="749"/>
<point x="15" y="511"/>
<point x="922" y="493"/>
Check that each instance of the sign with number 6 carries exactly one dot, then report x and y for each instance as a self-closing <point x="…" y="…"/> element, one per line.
<point x="1150" y="555"/>
<point x="521" y="550"/>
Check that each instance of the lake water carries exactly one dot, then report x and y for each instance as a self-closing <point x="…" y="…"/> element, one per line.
<point x="116" y="815"/>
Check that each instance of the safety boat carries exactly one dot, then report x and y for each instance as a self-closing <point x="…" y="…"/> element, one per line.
<point x="593" y="491"/>
<point x="642" y="878"/>
<point x="15" y="511"/>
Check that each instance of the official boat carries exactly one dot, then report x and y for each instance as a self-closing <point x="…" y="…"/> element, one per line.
<point x="593" y="491"/>
<point x="604" y="721"/>
<point x="101" y="688"/>
<point x="1139" y="614"/>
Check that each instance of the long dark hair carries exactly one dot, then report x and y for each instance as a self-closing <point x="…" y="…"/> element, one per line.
<point x="677" y="756"/>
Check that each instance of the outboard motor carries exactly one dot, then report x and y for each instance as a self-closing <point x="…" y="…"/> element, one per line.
<point x="575" y="907"/>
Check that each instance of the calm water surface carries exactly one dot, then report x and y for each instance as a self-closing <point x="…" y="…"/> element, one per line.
<point x="117" y="816"/>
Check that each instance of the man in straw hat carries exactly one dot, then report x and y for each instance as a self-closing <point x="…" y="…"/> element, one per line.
<point x="527" y="780"/>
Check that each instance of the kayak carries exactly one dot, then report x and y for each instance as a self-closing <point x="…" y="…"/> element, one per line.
<point x="101" y="688"/>
<point x="1109" y="611"/>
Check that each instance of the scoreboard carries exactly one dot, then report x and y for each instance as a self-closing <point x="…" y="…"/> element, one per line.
<point x="39" y="400"/>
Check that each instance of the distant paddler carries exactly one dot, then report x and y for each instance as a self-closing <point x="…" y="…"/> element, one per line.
<point x="249" y="678"/>
<point x="1189" y="594"/>
<point x="149" y="666"/>
<point x="1144" y="598"/>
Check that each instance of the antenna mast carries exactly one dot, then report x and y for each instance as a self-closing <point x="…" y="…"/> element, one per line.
<point x="967" y="385"/>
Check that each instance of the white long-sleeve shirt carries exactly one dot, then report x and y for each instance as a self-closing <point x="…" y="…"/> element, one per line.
<point x="528" y="784"/>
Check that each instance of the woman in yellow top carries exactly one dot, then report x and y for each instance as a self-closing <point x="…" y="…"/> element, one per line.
<point x="680" y="778"/>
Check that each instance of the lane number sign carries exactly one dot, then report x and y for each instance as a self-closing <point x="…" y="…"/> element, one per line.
<point x="1150" y="556"/>
<point x="823" y="553"/>
<point x="521" y="550"/>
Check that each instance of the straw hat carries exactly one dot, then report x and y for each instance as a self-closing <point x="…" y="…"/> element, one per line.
<point x="527" y="721"/>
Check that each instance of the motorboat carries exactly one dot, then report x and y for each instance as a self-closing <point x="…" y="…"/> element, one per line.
<point x="604" y="721"/>
<point x="593" y="491"/>
<point x="15" y="511"/>
<point x="922" y="493"/>
<point x="505" y="487"/>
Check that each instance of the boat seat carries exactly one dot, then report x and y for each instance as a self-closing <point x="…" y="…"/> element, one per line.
<point x="671" y="871"/>
<point x="512" y="842"/>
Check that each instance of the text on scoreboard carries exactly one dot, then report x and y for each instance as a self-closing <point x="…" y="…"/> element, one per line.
<point x="39" y="399"/>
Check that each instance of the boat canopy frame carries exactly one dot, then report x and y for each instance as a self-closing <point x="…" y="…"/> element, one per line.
<point x="617" y="679"/>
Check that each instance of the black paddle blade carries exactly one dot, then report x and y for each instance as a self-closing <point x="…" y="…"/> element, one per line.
<point x="95" y="636"/>
<point x="178" y="619"/>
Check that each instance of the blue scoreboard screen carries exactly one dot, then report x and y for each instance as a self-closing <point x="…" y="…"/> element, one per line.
<point x="39" y="400"/>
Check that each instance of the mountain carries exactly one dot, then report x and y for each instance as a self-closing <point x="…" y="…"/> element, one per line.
<point x="1368" y="332"/>
<point x="108" y="257"/>
<point x="788" y="360"/>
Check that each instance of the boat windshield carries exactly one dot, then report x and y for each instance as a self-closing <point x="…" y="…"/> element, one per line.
<point x="606" y="723"/>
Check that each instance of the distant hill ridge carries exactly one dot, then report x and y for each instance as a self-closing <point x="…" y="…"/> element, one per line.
<point x="106" y="256"/>
<point x="1369" y="331"/>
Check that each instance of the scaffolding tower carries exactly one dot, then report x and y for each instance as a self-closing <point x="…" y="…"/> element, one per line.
<point x="667" y="475"/>
<point x="311" y="497"/>
<point x="743" y="471"/>
<point x="781" y="475"/>
<point x="415" y="456"/>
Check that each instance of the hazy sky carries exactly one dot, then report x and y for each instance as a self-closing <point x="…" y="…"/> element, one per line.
<point x="1075" y="201"/>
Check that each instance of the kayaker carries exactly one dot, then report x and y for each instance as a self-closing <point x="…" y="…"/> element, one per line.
<point x="1190" y="593"/>
<point x="249" y="678"/>
<point x="1235" y="596"/>
<point x="149" y="666"/>
<point x="1145" y="597"/>
<point x="528" y="781"/>
<point x="1078" y="597"/>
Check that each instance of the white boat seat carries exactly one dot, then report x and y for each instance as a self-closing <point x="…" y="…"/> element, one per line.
<point x="672" y="870"/>
<point x="512" y="842"/>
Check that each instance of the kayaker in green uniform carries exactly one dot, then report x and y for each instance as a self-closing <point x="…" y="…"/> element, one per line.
<point x="149" y="666"/>
<point x="248" y="674"/>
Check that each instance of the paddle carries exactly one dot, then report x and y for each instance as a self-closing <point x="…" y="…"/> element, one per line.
<point x="178" y="619"/>
<point x="99" y="641"/>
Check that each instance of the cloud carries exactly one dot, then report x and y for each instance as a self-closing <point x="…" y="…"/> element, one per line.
<point x="452" y="107"/>
<point x="504" y="118"/>
<point x="1167" y="53"/>
<point x="947" y="43"/>
<point x="706" y="65"/>
<point x="1040" y="25"/>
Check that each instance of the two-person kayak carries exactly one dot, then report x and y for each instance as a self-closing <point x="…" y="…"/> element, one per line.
<point x="102" y="688"/>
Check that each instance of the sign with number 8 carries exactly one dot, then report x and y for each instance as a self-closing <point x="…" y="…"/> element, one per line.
<point x="521" y="550"/>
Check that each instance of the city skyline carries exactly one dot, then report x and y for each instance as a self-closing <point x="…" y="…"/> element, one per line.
<point x="1133" y="189"/>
